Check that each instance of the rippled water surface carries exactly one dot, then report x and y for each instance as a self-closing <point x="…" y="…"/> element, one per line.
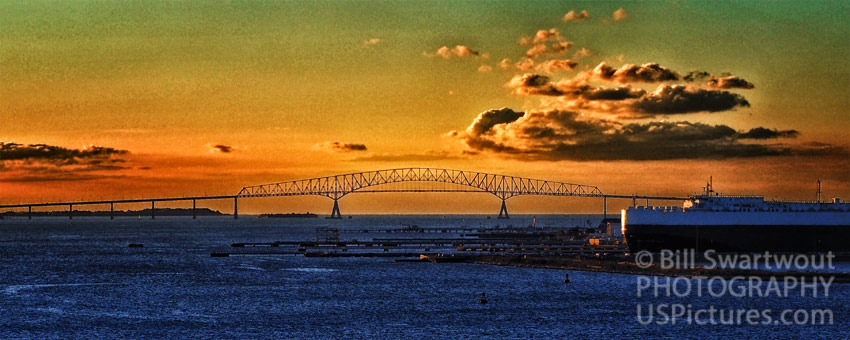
<point x="79" y="279"/>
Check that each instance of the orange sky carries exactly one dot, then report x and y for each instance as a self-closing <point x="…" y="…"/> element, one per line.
<point x="151" y="99"/>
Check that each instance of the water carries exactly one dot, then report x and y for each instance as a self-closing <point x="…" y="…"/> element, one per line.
<point x="78" y="279"/>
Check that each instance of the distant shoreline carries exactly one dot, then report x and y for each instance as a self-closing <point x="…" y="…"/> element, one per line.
<point x="143" y="212"/>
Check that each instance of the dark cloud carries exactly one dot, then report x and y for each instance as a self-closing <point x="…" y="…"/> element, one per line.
<point x="674" y="99"/>
<point x="341" y="147"/>
<point x="724" y="81"/>
<point x="488" y="119"/>
<point x="763" y="133"/>
<point x="221" y="148"/>
<point x="729" y="83"/>
<point x="55" y="154"/>
<point x="564" y="135"/>
<point x="626" y="101"/>
<point x="536" y="84"/>
<point x="628" y="73"/>
<point x="42" y="162"/>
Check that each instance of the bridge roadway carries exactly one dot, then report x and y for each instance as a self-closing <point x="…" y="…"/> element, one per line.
<point x="337" y="186"/>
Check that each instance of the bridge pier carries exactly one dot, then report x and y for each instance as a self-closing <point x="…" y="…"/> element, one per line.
<point x="335" y="214"/>
<point x="194" y="215"/>
<point x="235" y="208"/>
<point x="604" y="207"/>
<point x="153" y="210"/>
<point x="70" y="211"/>
<point x="29" y="213"/>
<point x="503" y="212"/>
<point x="111" y="210"/>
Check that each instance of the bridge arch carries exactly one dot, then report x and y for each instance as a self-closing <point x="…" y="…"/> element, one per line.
<point x="337" y="186"/>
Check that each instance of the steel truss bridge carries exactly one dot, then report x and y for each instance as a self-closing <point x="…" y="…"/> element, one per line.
<point x="391" y="180"/>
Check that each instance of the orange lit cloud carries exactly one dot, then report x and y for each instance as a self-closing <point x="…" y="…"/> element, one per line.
<point x="576" y="16"/>
<point x="555" y="65"/>
<point x="459" y="51"/>
<point x="556" y="43"/>
<point x="620" y="14"/>
<point x="628" y="73"/>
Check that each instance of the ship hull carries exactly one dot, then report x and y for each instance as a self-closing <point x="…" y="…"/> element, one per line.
<point x="738" y="238"/>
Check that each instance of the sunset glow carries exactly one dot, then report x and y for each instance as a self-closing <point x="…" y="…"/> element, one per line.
<point x="106" y="100"/>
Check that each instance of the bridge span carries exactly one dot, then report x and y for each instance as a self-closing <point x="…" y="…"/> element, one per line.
<point x="390" y="180"/>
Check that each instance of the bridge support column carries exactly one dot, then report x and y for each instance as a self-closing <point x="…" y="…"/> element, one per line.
<point x="604" y="207"/>
<point x="29" y="213"/>
<point x="111" y="210"/>
<point x="335" y="214"/>
<point x="503" y="212"/>
<point x="194" y="215"/>
<point x="235" y="208"/>
<point x="153" y="210"/>
<point x="634" y="201"/>
<point x="70" y="211"/>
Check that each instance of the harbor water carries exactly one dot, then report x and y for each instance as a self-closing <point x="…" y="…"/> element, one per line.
<point x="78" y="278"/>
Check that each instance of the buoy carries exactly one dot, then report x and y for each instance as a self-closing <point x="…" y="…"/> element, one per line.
<point x="483" y="300"/>
<point x="566" y="278"/>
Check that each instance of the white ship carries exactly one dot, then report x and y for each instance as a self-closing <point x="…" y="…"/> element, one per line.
<point x="739" y="224"/>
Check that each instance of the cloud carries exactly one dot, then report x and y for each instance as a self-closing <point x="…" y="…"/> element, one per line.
<point x="576" y="17"/>
<point x="372" y="42"/>
<point x="625" y="101"/>
<point x="536" y="84"/>
<point x="763" y="133"/>
<point x="56" y="155"/>
<point x="20" y="162"/>
<point x="459" y="51"/>
<point x="485" y="68"/>
<point x="565" y="135"/>
<point x="543" y="36"/>
<point x="725" y="81"/>
<point x="556" y="43"/>
<point x="525" y="64"/>
<point x="620" y="14"/>
<point x="583" y="52"/>
<point x="673" y="99"/>
<point x="220" y="148"/>
<point x="505" y="63"/>
<point x="646" y="73"/>
<point x="340" y="147"/>
<point x="555" y="48"/>
<point x="488" y="119"/>
<point x="555" y="65"/>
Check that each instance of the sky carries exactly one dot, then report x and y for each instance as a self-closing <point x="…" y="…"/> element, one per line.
<point x="132" y="99"/>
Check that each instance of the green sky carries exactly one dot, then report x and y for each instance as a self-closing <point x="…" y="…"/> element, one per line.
<point x="167" y="79"/>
